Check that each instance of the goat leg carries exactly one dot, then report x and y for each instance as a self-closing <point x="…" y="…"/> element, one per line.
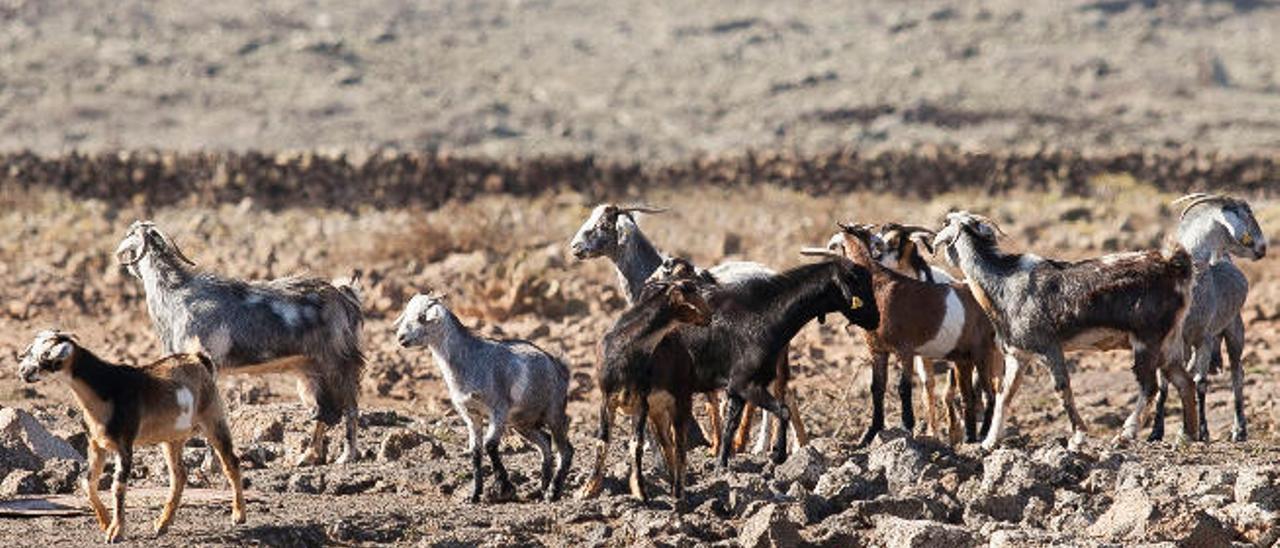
<point x="220" y="439"/>
<point x="97" y="458"/>
<point x="595" y="480"/>
<point x="492" y="439"/>
<point x="635" y="480"/>
<point x="1235" y="348"/>
<point x="924" y="370"/>
<point x="177" y="481"/>
<point x="732" y="417"/>
<point x="1062" y="385"/>
<point x="713" y="420"/>
<point x="350" y="452"/>
<point x="904" y="395"/>
<point x="120" y="484"/>
<point x="802" y="435"/>
<point x="879" y="378"/>
<point x="1162" y="396"/>
<point x="1004" y="400"/>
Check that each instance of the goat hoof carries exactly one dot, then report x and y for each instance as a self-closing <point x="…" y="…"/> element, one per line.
<point x="237" y="517"/>
<point x="1156" y="435"/>
<point x="1238" y="436"/>
<point x="161" y="527"/>
<point x="346" y="457"/>
<point x="504" y="492"/>
<point x="115" y="533"/>
<point x="778" y="456"/>
<point x="475" y="497"/>
<point x="551" y="496"/>
<point x="309" y="458"/>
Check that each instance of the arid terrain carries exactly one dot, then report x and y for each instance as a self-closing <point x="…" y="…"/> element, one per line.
<point x="408" y="107"/>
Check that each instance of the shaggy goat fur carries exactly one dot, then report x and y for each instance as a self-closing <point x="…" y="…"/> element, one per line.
<point x="307" y="326"/>
<point x="1040" y="308"/>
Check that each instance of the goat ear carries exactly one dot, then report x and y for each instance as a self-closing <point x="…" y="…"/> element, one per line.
<point x="924" y="240"/>
<point x="62" y="351"/>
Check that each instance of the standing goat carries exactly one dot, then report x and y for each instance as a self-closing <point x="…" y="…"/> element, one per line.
<point x="1042" y="307"/>
<point x="164" y="402"/>
<point x="753" y="323"/>
<point x="924" y="320"/>
<point x="307" y="326"/>
<point x="611" y="231"/>
<point x="637" y="373"/>
<point x="514" y="382"/>
<point x="1213" y="228"/>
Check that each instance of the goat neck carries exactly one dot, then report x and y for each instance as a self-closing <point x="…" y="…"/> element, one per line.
<point x="984" y="267"/>
<point x="793" y="298"/>
<point x="1204" y="236"/>
<point x="634" y="257"/>
<point x="88" y="375"/>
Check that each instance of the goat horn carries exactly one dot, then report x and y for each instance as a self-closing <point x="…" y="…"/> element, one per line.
<point x="642" y="209"/>
<point x="819" y="252"/>
<point x="1196" y="199"/>
<point x="176" y="250"/>
<point x="990" y="222"/>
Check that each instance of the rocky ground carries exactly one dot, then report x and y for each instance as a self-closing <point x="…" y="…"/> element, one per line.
<point x="508" y="273"/>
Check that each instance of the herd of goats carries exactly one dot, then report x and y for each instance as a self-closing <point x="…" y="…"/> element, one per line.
<point x="723" y="330"/>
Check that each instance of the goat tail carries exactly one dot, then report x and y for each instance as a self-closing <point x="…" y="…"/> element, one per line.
<point x="207" y="361"/>
<point x="197" y="349"/>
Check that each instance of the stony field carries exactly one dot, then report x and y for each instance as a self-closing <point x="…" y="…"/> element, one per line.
<point x="458" y="145"/>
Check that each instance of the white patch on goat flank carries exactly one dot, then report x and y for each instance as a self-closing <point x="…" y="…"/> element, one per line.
<point x="1117" y="258"/>
<point x="740" y="271"/>
<point x="948" y="332"/>
<point x="1028" y="261"/>
<point x="287" y="312"/>
<point x="186" y="409"/>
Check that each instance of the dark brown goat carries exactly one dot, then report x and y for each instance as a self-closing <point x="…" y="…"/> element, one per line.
<point x="649" y="375"/>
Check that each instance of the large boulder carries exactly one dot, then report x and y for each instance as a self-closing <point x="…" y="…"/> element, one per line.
<point x="1128" y="517"/>
<point x="25" y="444"/>
<point x="847" y="483"/>
<point x="904" y="533"/>
<point x="1009" y="480"/>
<point x="901" y="460"/>
<point x="769" y="526"/>
<point x="805" y="466"/>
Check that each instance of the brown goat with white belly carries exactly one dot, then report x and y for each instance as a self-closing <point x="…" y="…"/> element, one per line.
<point x="164" y="403"/>
<point x="934" y="321"/>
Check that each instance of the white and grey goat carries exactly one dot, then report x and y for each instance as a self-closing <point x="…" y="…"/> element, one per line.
<point x="1213" y="228"/>
<point x="514" y="382"/>
<point x="307" y="326"/>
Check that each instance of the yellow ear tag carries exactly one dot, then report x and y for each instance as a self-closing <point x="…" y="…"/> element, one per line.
<point x="1246" y="239"/>
<point x="856" y="303"/>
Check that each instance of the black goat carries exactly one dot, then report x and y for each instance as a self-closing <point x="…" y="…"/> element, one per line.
<point x="754" y="320"/>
